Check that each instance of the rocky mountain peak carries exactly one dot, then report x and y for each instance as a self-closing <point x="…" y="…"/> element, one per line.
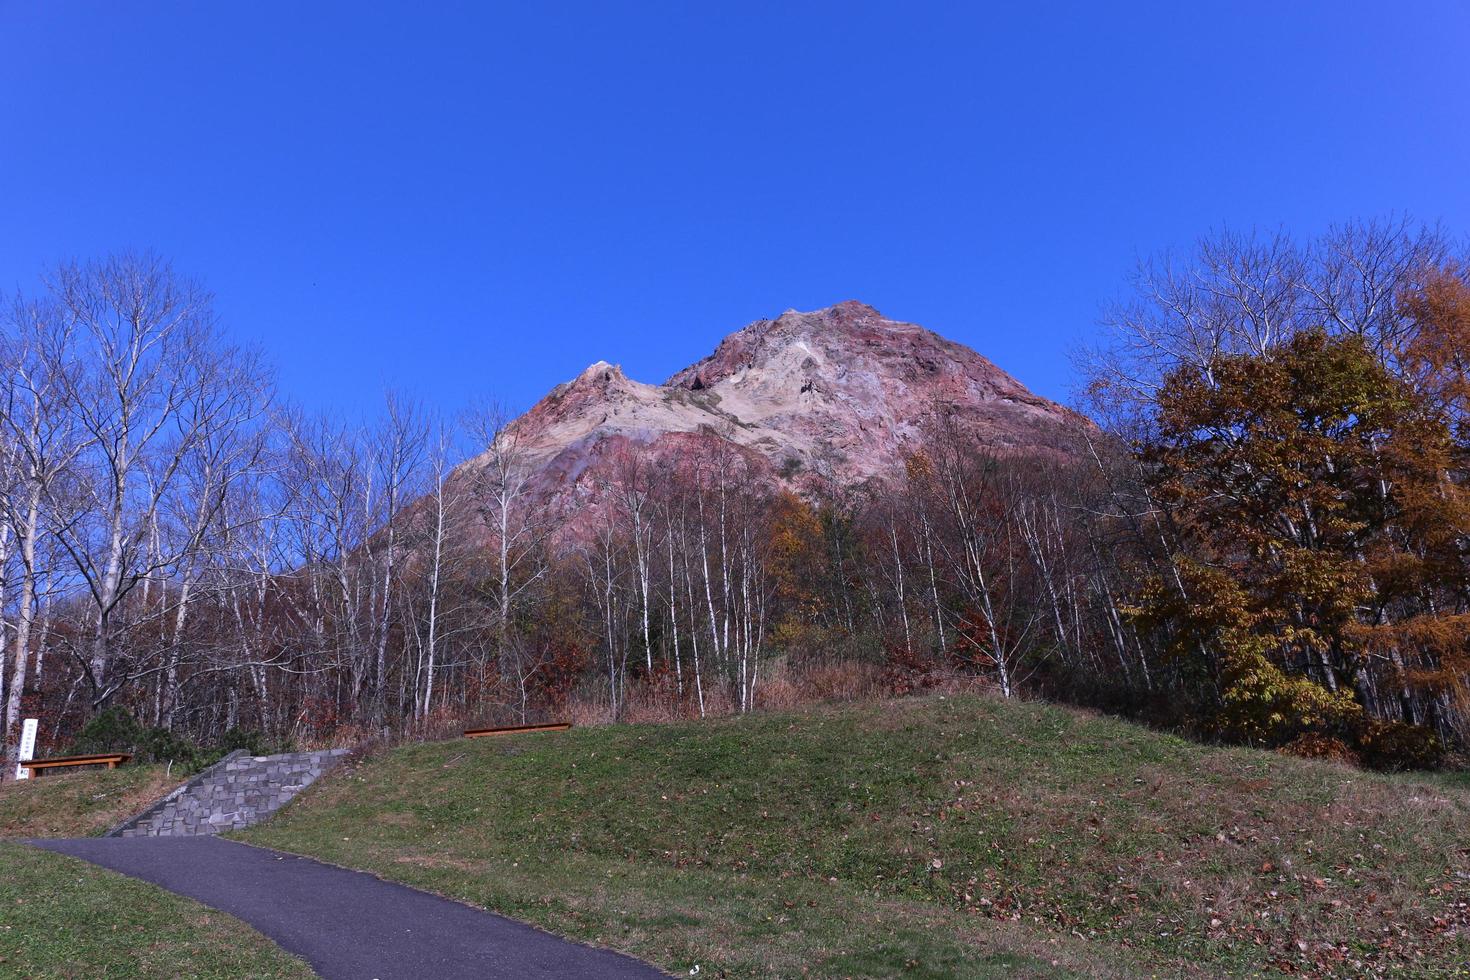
<point x="599" y="374"/>
<point x="831" y="397"/>
<point x="601" y="370"/>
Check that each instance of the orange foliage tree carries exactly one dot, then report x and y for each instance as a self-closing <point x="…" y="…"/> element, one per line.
<point x="1321" y="576"/>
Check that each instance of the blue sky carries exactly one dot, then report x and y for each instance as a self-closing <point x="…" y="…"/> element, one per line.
<point x="478" y="200"/>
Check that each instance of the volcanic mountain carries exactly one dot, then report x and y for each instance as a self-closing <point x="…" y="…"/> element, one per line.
<point x="811" y="401"/>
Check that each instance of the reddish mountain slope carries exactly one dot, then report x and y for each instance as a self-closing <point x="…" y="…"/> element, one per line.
<point x="836" y="397"/>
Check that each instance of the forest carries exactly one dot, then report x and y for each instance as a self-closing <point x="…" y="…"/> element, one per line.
<point x="1264" y="540"/>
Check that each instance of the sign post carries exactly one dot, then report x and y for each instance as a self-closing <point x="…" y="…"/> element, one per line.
<point x="27" y="747"/>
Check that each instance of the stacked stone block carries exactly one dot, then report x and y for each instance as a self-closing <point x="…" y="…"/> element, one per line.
<point x="238" y="791"/>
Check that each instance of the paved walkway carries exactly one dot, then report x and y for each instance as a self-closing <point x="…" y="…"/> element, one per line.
<point x="348" y="924"/>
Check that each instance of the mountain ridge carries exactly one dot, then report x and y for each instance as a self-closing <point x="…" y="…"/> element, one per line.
<point x="831" y="398"/>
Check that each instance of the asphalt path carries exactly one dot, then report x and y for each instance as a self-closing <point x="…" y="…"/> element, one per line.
<point x="348" y="924"/>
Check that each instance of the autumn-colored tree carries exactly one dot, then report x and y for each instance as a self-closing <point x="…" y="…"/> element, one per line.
<point x="1321" y="570"/>
<point x="797" y="566"/>
<point x="1437" y="353"/>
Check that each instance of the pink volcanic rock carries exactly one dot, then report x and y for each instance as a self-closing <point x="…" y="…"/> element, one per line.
<point x="829" y="398"/>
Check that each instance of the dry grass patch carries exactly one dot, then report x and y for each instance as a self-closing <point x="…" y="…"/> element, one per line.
<point x="79" y="804"/>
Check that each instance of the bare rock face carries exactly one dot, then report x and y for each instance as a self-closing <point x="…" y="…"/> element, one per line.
<point x="810" y="400"/>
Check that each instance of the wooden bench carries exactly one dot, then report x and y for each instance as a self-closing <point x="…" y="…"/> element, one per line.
<point x="552" y="726"/>
<point x="109" y="759"/>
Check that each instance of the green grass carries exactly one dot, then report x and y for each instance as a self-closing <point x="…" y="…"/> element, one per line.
<point x="927" y="837"/>
<point x="79" y="804"/>
<point x="60" y="917"/>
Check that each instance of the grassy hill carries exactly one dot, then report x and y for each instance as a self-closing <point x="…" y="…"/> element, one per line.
<point x="80" y="804"/>
<point x="927" y="837"/>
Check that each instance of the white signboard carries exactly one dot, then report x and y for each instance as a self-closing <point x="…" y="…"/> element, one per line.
<point x="27" y="747"/>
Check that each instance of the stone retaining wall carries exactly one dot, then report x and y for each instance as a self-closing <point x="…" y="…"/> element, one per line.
<point x="238" y="791"/>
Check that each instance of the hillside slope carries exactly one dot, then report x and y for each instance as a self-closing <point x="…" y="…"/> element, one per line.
<point x="80" y="804"/>
<point x="927" y="837"/>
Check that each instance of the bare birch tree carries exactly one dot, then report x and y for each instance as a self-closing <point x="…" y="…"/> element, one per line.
<point x="500" y="485"/>
<point x="41" y="444"/>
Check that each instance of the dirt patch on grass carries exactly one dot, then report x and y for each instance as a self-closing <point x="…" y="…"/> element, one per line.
<point x="439" y="861"/>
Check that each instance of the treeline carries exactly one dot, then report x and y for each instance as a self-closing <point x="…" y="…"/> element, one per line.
<point x="1297" y="415"/>
<point x="1265" y="540"/>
